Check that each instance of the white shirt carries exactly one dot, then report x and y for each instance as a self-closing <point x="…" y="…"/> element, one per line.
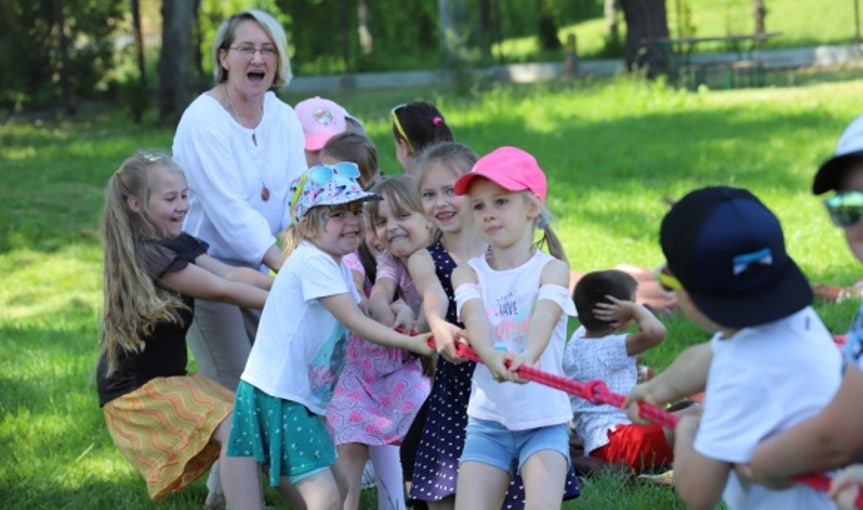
<point x="299" y="350"/>
<point x="605" y="359"/>
<point x="763" y="380"/>
<point x="227" y="165"/>
<point x="509" y="297"/>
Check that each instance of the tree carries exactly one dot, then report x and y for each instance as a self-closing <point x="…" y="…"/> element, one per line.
<point x="646" y="20"/>
<point x="759" y="12"/>
<point x="175" y="60"/>
<point x="610" y="14"/>
<point x="364" y="27"/>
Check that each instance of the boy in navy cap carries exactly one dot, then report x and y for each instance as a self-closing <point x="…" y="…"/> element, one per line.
<point x="771" y="361"/>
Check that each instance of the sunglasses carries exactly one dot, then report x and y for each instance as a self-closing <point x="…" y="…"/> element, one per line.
<point x="323" y="174"/>
<point x="398" y="125"/>
<point x="667" y="281"/>
<point x="845" y="209"/>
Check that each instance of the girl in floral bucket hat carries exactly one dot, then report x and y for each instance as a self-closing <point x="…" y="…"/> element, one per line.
<point x="299" y="349"/>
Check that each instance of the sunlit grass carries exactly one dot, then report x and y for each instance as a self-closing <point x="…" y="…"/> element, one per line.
<point x="614" y="151"/>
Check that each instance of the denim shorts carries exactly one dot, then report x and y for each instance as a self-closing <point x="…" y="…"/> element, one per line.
<point x="491" y="443"/>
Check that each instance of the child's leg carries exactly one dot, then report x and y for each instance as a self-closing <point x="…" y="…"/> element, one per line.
<point x="240" y="476"/>
<point x="388" y="472"/>
<point x="544" y="476"/>
<point x="322" y="490"/>
<point x="352" y="460"/>
<point x="480" y="486"/>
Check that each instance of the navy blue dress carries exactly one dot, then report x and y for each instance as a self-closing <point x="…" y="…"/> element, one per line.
<point x="435" y="471"/>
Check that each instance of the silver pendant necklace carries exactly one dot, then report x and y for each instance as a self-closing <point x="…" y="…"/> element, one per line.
<point x="265" y="191"/>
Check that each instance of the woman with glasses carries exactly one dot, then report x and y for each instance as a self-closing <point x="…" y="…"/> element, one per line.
<point x="416" y="126"/>
<point x="240" y="147"/>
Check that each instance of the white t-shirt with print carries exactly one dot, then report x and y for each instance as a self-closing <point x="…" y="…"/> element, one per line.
<point x="299" y="350"/>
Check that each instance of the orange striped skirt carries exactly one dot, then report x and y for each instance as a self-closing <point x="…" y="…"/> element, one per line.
<point x="165" y="429"/>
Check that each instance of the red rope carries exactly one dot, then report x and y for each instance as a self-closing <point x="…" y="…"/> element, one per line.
<point x="596" y="392"/>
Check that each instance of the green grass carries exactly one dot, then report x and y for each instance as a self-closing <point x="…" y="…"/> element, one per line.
<point x="613" y="151"/>
<point x="802" y="23"/>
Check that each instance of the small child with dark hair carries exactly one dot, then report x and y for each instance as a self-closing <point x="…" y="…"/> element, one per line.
<point x="601" y="349"/>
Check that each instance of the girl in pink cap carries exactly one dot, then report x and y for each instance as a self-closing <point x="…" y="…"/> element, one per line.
<point x="514" y="302"/>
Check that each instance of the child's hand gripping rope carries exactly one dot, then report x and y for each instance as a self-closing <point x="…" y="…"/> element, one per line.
<point x="596" y="392"/>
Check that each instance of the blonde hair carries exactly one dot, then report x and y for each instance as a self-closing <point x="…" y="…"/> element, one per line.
<point x="456" y="156"/>
<point x="225" y="38"/>
<point x="133" y="302"/>
<point x="301" y="230"/>
<point x="356" y="148"/>
<point x="400" y="192"/>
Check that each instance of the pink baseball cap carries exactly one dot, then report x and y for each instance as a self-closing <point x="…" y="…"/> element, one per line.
<point x="321" y="119"/>
<point x="509" y="167"/>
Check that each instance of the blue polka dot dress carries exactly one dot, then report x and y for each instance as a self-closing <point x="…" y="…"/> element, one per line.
<point x="442" y="440"/>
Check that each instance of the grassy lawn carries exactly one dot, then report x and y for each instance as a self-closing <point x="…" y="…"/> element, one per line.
<point x="802" y="23"/>
<point x="613" y="152"/>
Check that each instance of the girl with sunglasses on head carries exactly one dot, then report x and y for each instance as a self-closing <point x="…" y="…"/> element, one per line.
<point x="299" y="351"/>
<point x="832" y="438"/>
<point x="415" y="126"/>
<point x="381" y="388"/>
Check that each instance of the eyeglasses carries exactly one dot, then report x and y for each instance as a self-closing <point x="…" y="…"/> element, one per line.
<point x="249" y="51"/>
<point x="322" y="174"/>
<point x="667" y="281"/>
<point x="845" y="209"/>
<point x="398" y="125"/>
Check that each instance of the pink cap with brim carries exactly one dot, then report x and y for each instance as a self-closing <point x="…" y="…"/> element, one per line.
<point x="509" y="167"/>
<point x="321" y="119"/>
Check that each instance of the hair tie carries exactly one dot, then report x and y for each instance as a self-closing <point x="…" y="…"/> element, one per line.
<point x="437" y="120"/>
<point x="543" y="221"/>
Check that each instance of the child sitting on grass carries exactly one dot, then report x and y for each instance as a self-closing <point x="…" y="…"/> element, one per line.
<point x="601" y="349"/>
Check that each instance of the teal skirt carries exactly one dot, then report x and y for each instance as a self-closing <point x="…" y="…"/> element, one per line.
<point x="281" y="434"/>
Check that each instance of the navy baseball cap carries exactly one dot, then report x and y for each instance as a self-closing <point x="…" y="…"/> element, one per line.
<point x="727" y="250"/>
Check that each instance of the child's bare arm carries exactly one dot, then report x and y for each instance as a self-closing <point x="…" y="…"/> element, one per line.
<point x="380" y="299"/>
<point x="435" y="303"/>
<point x="350" y="316"/>
<point x="472" y="313"/>
<point x="234" y="273"/>
<point x="698" y="480"/>
<point x="197" y="282"/>
<point x="544" y="318"/>
<point x="827" y="440"/>
<point x="686" y="376"/>
<point x="650" y="333"/>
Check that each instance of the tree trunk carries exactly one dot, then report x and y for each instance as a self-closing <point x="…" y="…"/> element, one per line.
<point x="485" y="29"/>
<point x="646" y="20"/>
<point x="65" y="84"/>
<point x="759" y="12"/>
<point x="451" y="13"/>
<point x="343" y="31"/>
<point x="135" y="7"/>
<point x="175" y="61"/>
<point x="364" y="27"/>
<point x="610" y="13"/>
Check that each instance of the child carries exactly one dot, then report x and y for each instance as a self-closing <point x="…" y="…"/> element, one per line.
<point x="381" y="388"/>
<point x="601" y="349"/>
<point x="357" y="148"/>
<point x="299" y="351"/>
<point x="514" y="301"/>
<point x="770" y="363"/>
<point x="402" y="228"/>
<point x="153" y="271"/>
<point x="416" y="126"/>
<point x="321" y="119"/>
<point x="832" y="438"/>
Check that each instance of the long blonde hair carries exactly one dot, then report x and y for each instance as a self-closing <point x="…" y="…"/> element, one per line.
<point x="133" y="303"/>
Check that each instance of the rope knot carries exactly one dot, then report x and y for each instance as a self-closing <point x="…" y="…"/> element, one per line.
<point x="594" y="390"/>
